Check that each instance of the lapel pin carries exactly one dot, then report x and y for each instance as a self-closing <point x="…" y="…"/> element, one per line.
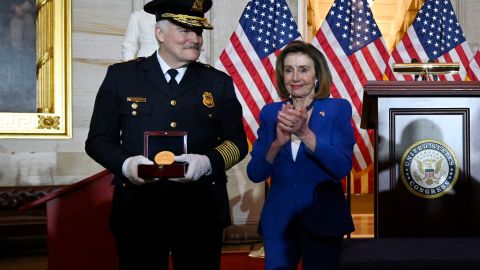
<point x="322" y="113"/>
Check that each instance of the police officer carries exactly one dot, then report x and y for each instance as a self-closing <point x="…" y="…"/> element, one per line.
<point x="169" y="91"/>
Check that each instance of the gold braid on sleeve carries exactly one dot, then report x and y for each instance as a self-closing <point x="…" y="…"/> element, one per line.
<point x="229" y="152"/>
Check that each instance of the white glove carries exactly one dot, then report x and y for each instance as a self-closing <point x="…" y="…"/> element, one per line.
<point x="130" y="168"/>
<point x="198" y="166"/>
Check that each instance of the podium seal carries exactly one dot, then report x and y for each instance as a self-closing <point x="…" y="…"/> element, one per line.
<point x="429" y="169"/>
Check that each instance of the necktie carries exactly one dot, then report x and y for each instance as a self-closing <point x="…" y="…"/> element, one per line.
<point x="172" y="83"/>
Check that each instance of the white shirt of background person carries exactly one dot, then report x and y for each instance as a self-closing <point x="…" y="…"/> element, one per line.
<point x="140" y="38"/>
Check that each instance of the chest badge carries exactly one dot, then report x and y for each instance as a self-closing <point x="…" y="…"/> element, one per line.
<point x="208" y="99"/>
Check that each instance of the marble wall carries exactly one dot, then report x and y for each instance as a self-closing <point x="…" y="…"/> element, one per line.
<point x="97" y="34"/>
<point x="468" y="15"/>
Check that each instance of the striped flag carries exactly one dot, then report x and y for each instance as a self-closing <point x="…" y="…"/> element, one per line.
<point x="356" y="52"/>
<point x="474" y="68"/>
<point x="265" y="27"/>
<point x="435" y="35"/>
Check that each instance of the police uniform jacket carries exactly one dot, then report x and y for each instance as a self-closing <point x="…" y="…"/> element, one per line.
<point x="308" y="188"/>
<point x="135" y="97"/>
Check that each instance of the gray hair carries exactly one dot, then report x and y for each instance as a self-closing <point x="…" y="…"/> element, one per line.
<point x="163" y="24"/>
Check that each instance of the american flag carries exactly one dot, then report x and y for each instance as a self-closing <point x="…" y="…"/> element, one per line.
<point x="356" y="52"/>
<point x="474" y="67"/>
<point x="265" y="27"/>
<point x="435" y="35"/>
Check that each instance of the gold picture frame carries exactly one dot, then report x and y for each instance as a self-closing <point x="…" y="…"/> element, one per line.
<point x="53" y="119"/>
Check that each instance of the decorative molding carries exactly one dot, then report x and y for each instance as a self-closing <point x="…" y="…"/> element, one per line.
<point x="11" y="198"/>
<point x="53" y="87"/>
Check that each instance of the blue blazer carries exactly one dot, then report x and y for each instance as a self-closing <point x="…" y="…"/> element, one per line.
<point x="308" y="188"/>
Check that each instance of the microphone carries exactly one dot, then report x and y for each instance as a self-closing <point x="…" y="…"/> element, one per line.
<point x="435" y="76"/>
<point x="415" y="60"/>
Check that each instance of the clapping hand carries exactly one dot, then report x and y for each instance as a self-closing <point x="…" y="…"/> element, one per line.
<point x="291" y="120"/>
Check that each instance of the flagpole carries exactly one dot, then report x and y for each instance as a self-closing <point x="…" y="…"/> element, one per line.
<point x="302" y="18"/>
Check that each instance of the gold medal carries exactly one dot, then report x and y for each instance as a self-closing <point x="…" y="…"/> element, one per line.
<point x="164" y="158"/>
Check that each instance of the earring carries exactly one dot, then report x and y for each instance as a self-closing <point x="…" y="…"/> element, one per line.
<point x="316" y="84"/>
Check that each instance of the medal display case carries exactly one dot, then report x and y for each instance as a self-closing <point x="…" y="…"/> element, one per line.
<point x="159" y="143"/>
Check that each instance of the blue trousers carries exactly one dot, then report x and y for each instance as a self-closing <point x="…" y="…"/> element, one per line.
<point x="316" y="253"/>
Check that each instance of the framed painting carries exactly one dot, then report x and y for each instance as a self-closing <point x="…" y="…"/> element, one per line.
<point x="35" y="69"/>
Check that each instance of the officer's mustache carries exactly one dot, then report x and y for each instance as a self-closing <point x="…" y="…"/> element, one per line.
<point x="194" y="46"/>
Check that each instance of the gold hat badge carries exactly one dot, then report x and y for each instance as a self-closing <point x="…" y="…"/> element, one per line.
<point x="197" y="6"/>
<point x="208" y="99"/>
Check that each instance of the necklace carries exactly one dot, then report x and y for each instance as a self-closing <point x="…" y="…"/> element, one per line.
<point x="309" y="106"/>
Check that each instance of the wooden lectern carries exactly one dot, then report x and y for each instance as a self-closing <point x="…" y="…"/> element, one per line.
<point x="427" y="151"/>
<point x="77" y="222"/>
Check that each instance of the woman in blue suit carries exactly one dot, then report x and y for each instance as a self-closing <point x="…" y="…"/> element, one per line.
<point x="305" y="145"/>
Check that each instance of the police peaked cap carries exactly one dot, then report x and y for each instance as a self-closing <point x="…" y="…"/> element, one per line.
<point x="189" y="13"/>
